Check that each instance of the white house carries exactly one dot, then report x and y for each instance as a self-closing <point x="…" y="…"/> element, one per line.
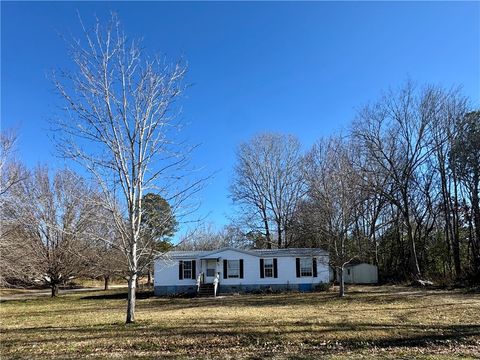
<point x="234" y="270"/>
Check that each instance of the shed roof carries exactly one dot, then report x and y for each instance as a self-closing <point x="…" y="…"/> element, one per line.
<point x="358" y="263"/>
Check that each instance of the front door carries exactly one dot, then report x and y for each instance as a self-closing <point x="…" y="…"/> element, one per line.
<point x="210" y="270"/>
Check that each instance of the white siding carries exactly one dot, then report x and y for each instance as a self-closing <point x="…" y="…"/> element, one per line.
<point x="166" y="272"/>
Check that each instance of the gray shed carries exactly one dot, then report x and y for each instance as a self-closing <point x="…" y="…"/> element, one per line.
<point x="361" y="273"/>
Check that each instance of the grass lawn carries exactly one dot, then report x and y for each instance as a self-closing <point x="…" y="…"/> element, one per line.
<point x="381" y="322"/>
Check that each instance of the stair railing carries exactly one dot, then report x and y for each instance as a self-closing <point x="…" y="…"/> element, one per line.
<point x="199" y="281"/>
<point x="215" y="284"/>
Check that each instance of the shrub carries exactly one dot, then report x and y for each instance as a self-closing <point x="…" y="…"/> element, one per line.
<point x="323" y="286"/>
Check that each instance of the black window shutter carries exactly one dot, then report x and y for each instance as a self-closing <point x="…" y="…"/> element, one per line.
<point x="262" y="274"/>
<point x="314" y="267"/>
<point x="275" y="268"/>
<point x="298" y="266"/>
<point x="225" y="274"/>
<point x="241" y="268"/>
<point x="194" y="269"/>
<point x="180" y="270"/>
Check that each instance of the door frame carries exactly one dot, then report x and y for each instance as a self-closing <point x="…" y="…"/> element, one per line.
<point x="209" y="264"/>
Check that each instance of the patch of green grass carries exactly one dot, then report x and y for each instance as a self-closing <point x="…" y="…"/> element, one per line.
<point x="382" y="322"/>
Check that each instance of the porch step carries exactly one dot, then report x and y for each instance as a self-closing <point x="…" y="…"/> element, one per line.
<point x="206" y="290"/>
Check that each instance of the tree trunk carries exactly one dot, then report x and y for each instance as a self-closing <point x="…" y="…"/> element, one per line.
<point x="132" y="281"/>
<point x="374" y="238"/>
<point x="456" y="233"/>
<point x="476" y="223"/>
<point x="342" y="283"/>
<point x="149" y="276"/>
<point x="267" y="229"/>
<point x="414" y="267"/>
<point x="471" y="243"/>
<point x="448" y="230"/>
<point x="106" y="282"/>
<point x="54" y="287"/>
<point x="279" y="230"/>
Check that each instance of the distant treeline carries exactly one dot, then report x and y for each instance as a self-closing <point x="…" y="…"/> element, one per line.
<point x="400" y="190"/>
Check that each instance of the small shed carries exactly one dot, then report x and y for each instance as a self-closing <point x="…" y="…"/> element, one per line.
<point x="360" y="273"/>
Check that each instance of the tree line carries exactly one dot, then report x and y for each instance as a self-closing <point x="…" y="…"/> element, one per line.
<point x="55" y="230"/>
<point x="399" y="190"/>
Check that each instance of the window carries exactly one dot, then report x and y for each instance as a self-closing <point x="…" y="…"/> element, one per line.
<point x="268" y="267"/>
<point x="348" y="271"/>
<point x="306" y="266"/>
<point x="233" y="267"/>
<point x="187" y="269"/>
<point x="210" y="272"/>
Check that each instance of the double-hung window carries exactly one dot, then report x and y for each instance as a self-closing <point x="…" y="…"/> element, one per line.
<point x="233" y="267"/>
<point x="187" y="269"/>
<point x="268" y="267"/>
<point x="306" y="267"/>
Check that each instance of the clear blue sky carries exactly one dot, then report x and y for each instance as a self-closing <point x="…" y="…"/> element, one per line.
<point x="299" y="68"/>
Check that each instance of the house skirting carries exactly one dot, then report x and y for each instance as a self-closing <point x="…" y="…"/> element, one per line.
<point x="175" y="290"/>
<point x="228" y="289"/>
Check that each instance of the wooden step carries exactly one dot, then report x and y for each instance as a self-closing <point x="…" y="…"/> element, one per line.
<point x="206" y="290"/>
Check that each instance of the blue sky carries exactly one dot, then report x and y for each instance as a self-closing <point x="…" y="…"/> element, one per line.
<point x="299" y="68"/>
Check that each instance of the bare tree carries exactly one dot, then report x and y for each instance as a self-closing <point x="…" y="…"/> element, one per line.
<point x="123" y="127"/>
<point x="207" y="237"/>
<point x="394" y="134"/>
<point x="104" y="251"/>
<point x="412" y="160"/>
<point x="447" y="107"/>
<point x="51" y="217"/>
<point x="11" y="172"/>
<point x="334" y="189"/>
<point x="250" y="191"/>
<point x="465" y="162"/>
<point x="268" y="178"/>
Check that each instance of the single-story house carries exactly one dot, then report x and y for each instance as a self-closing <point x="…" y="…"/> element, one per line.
<point x="360" y="273"/>
<point x="235" y="270"/>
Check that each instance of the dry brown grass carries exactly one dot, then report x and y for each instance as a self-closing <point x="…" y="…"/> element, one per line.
<point x="9" y="291"/>
<point x="381" y="322"/>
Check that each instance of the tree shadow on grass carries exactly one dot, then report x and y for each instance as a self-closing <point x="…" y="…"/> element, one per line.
<point x="141" y="295"/>
<point x="368" y="296"/>
<point x="148" y="301"/>
<point x="248" y="334"/>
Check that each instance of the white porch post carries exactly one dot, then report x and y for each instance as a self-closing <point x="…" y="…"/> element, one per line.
<point x="215" y="284"/>
<point x="199" y="277"/>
